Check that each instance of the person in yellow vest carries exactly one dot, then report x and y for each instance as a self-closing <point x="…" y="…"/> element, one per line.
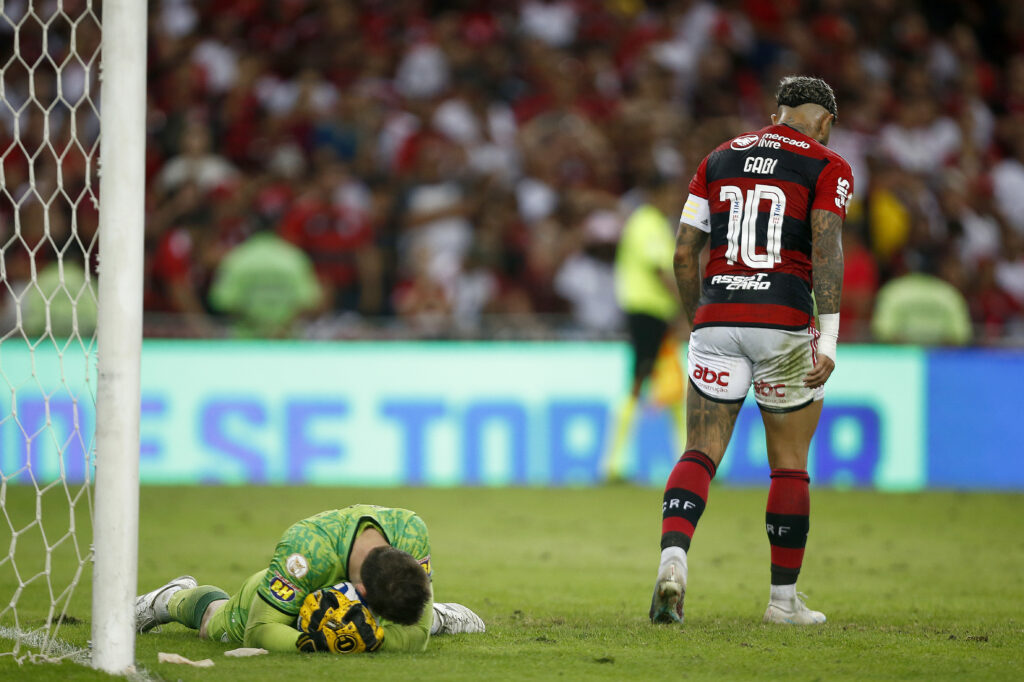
<point x="646" y="292"/>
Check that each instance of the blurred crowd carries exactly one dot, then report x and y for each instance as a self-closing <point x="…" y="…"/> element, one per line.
<point x="463" y="168"/>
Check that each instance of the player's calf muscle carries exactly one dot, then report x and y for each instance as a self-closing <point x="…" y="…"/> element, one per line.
<point x="709" y="424"/>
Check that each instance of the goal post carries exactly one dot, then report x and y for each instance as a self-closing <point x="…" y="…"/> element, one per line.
<point x="72" y="185"/>
<point x="119" y="333"/>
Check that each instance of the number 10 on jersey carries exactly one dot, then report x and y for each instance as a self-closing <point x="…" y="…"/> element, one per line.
<point x="742" y="229"/>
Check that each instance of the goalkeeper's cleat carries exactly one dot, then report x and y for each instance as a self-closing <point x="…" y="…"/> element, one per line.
<point x="455" y="619"/>
<point x="151" y="608"/>
<point x="669" y="590"/>
<point x="792" y="612"/>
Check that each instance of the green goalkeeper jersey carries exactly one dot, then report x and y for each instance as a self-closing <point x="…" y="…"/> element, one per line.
<point x="313" y="554"/>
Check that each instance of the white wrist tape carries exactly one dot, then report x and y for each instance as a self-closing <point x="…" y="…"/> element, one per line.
<point x="829" y="334"/>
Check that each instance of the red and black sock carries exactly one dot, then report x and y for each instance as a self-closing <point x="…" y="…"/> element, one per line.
<point x="787" y="522"/>
<point x="686" y="495"/>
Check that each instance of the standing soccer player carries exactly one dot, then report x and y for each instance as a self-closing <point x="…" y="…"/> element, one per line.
<point x="772" y="203"/>
<point x="646" y="293"/>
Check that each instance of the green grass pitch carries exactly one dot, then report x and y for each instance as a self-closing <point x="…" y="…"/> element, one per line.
<point x="921" y="586"/>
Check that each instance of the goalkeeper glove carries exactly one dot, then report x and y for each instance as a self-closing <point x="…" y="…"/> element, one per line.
<point x="329" y="621"/>
<point x="311" y="642"/>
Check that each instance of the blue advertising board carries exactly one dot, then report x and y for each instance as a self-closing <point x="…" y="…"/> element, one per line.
<point x="976" y="421"/>
<point x="489" y="414"/>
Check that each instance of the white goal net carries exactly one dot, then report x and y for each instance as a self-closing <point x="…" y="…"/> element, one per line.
<point x="50" y="52"/>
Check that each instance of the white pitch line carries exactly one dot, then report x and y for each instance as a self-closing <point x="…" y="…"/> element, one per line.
<point x="61" y="650"/>
<point x="58" y="648"/>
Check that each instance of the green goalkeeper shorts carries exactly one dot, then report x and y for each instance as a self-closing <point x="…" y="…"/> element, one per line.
<point x="228" y="623"/>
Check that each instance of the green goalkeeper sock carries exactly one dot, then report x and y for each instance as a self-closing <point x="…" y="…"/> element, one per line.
<point x="188" y="606"/>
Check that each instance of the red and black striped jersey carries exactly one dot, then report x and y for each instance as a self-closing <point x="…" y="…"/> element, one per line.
<point x="754" y="194"/>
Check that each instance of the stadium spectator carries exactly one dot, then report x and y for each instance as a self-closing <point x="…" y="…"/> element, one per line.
<point x="1010" y="269"/>
<point x="920" y="140"/>
<point x="474" y="292"/>
<point x="860" y="285"/>
<point x="337" y="233"/>
<point x="485" y="129"/>
<point x="422" y="303"/>
<point x="993" y="310"/>
<point x="1008" y="174"/>
<point x="921" y="308"/>
<point x="24" y="253"/>
<point x="217" y="54"/>
<point x="586" y="278"/>
<point x="437" y="228"/>
<point x="265" y="284"/>
<point x="551" y="21"/>
<point x="383" y="552"/>
<point x="60" y="303"/>
<point x="977" y="232"/>
<point x="179" y="269"/>
<point x="196" y="164"/>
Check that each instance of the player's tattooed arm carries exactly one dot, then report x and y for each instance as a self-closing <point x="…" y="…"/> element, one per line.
<point x="827" y="259"/>
<point x="689" y="243"/>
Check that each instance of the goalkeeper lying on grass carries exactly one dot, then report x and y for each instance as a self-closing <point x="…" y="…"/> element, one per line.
<point x="345" y="581"/>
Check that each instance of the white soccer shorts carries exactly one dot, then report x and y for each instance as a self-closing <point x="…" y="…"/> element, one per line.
<point x="723" y="362"/>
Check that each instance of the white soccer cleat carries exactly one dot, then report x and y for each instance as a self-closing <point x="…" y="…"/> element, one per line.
<point x="151" y="608"/>
<point x="792" y="612"/>
<point x="669" y="591"/>
<point x="455" y="619"/>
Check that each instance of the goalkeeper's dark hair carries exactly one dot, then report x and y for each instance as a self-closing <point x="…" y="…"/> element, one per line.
<point x="796" y="90"/>
<point x="397" y="587"/>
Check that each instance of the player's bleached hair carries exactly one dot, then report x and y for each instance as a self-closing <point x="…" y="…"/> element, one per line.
<point x="796" y="90"/>
<point x="397" y="587"/>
